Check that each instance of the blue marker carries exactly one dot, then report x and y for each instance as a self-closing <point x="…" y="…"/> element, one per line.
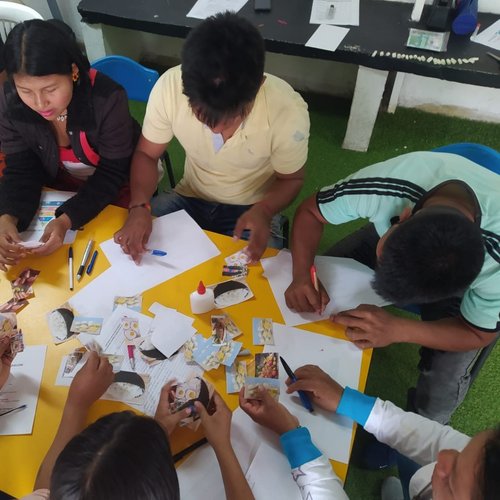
<point x="90" y="267"/>
<point x="304" y="398"/>
<point x="157" y="253"/>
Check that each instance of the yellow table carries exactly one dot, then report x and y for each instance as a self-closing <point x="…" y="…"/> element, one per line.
<point x="22" y="455"/>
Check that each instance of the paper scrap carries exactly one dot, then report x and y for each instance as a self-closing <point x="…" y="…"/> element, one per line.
<point x="327" y="37"/>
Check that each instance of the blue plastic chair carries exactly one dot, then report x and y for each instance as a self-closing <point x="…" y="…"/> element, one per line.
<point x="482" y="155"/>
<point x="490" y="159"/>
<point x="138" y="81"/>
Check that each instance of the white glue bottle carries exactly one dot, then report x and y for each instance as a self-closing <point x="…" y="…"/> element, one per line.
<point x="202" y="299"/>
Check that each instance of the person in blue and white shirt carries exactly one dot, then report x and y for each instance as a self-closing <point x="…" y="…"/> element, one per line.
<point x="453" y="465"/>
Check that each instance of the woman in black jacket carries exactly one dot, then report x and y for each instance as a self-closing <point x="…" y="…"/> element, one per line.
<point x="62" y="125"/>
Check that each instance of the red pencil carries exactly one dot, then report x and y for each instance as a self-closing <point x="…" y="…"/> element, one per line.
<point x="314" y="277"/>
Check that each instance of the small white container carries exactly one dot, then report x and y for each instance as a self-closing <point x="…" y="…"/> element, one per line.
<point x="202" y="299"/>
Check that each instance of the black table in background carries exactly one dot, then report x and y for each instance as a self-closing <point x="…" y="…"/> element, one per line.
<point x="383" y="27"/>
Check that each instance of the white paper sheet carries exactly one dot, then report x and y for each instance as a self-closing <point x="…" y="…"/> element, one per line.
<point x="205" y="8"/>
<point x="277" y="479"/>
<point x="199" y="476"/>
<point x="177" y="233"/>
<point x="170" y="330"/>
<point x="327" y="37"/>
<point x="49" y="201"/>
<point x="335" y="12"/>
<point x="21" y="388"/>
<point x="489" y="36"/>
<point x="347" y="282"/>
<point x="341" y="359"/>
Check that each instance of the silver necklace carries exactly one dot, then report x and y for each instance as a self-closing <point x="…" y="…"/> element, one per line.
<point x="62" y="117"/>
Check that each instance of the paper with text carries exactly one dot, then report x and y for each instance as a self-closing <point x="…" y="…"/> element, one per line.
<point x="338" y="12"/>
<point x="489" y="36"/>
<point x="22" y="388"/>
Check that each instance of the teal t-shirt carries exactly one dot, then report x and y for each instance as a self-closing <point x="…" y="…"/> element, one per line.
<point x="383" y="190"/>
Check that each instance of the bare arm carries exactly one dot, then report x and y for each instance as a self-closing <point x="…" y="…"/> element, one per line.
<point x="257" y="219"/>
<point x="89" y="384"/>
<point x="134" y="235"/>
<point x="282" y="191"/>
<point x="235" y="484"/>
<point x="144" y="170"/>
<point x="370" y="326"/>
<point x="449" y="334"/>
<point x="306" y="235"/>
<point x="217" y="431"/>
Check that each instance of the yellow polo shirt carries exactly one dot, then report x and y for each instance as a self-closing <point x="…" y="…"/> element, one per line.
<point x="273" y="138"/>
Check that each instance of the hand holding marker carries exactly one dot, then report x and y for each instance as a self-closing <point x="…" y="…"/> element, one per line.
<point x="304" y="398"/>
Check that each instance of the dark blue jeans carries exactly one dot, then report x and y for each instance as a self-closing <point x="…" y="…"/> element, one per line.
<point x="211" y="216"/>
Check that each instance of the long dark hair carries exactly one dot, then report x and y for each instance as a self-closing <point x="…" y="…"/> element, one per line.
<point x="121" y="456"/>
<point x="40" y="48"/>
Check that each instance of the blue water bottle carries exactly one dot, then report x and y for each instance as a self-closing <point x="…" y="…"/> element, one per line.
<point x="465" y="21"/>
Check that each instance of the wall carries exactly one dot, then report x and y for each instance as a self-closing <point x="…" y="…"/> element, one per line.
<point x="320" y="76"/>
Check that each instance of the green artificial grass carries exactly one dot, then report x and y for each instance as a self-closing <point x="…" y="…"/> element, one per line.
<point x="393" y="369"/>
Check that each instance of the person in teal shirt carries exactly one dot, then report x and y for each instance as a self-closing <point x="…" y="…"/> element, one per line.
<point x="433" y="239"/>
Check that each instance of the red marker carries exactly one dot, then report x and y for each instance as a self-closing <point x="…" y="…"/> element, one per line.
<point x="130" y="350"/>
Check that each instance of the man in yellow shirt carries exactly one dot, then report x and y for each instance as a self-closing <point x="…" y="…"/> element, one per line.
<point x="245" y="134"/>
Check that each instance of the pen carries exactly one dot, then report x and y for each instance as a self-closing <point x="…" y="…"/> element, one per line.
<point x="494" y="56"/>
<point x="314" y="277"/>
<point x="90" y="267"/>
<point x="70" y="268"/>
<point x="22" y="407"/>
<point x="475" y="32"/>
<point x="157" y="253"/>
<point x="304" y="398"/>
<point x="189" y="449"/>
<point x="130" y="350"/>
<point x="85" y="257"/>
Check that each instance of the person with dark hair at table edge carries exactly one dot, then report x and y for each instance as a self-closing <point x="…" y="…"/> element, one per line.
<point x="245" y="134"/>
<point x="124" y="456"/>
<point x="64" y="126"/>
<point x="448" y="465"/>
<point x="433" y="240"/>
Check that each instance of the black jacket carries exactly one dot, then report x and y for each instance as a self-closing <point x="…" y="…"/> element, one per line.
<point x="32" y="154"/>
